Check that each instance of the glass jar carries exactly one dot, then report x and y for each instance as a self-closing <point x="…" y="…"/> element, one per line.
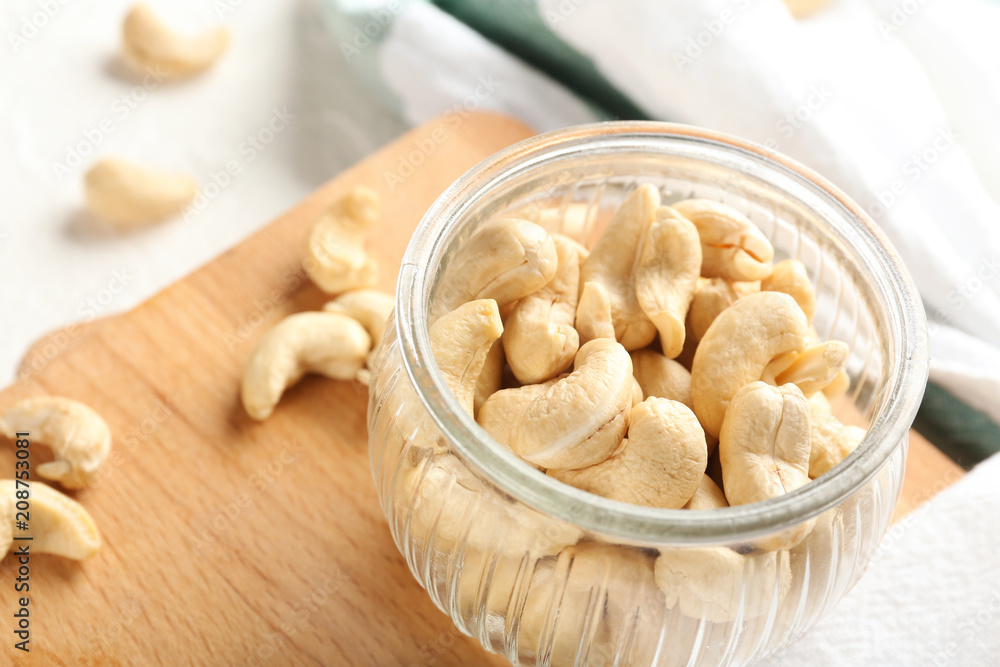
<point x="543" y="573"/>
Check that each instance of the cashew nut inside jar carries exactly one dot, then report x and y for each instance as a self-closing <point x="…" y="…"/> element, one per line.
<point x="646" y="398"/>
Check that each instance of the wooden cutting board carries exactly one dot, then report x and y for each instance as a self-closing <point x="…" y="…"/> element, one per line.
<point x="227" y="541"/>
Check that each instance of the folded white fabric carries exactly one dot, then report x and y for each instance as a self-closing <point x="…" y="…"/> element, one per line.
<point x="932" y="594"/>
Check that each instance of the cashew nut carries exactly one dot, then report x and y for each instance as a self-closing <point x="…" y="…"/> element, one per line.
<point x="660" y="465"/>
<point x="580" y="420"/>
<point x="737" y="348"/>
<point x="504" y="260"/>
<point x="708" y="496"/>
<point x="831" y="442"/>
<point x="491" y="378"/>
<point x="717" y="583"/>
<point x="790" y="276"/>
<point x="539" y="339"/>
<point x="662" y="377"/>
<point x="813" y="369"/>
<point x="501" y="411"/>
<point x="666" y="276"/>
<point x="713" y="297"/>
<point x="330" y="344"/>
<point x="574" y="220"/>
<point x="77" y="435"/>
<point x="58" y="524"/>
<point x="148" y="45"/>
<point x="461" y="341"/>
<point x="732" y="246"/>
<point x="765" y="442"/>
<point x="593" y="314"/>
<point x="128" y="194"/>
<point x="335" y="258"/>
<point x="613" y="263"/>
<point x="637" y="395"/>
<point x="373" y="310"/>
<point x="839" y="386"/>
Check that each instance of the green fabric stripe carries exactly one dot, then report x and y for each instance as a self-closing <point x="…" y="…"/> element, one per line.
<point x="516" y="26"/>
<point x="960" y="431"/>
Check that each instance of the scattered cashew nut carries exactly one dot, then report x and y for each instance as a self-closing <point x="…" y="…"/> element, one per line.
<point x="149" y="45"/>
<point x="58" y="525"/>
<point x="666" y="276"/>
<point x="737" y="348"/>
<point x="812" y="369"/>
<point x="501" y="411"/>
<point x="662" y="377"/>
<point x="580" y="420"/>
<point x="659" y="465"/>
<point x="790" y="276"/>
<point x="373" y="310"/>
<point x="539" y="339"/>
<point x="461" y="341"/>
<point x="335" y="258"/>
<point x="713" y="297"/>
<point x="765" y="442"/>
<point x="732" y="246"/>
<point x="503" y="260"/>
<point x="77" y="435"/>
<point x="613" y="263"/>
<point x="128" y="194"/>
<point x="593" y="313"/>
<point x="330" y="344"/>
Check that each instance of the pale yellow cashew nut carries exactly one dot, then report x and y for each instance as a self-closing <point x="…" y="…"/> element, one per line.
<point x="713" y="297"/>
<point x="738" y="347"/>
<point x="708" y="496"/>
<point x="128" y="194"/>
<point x="491" y="377"/>
<point x="666" y="276"/>
<point x="461" y="341"/>
<point x="57" y="524"/>
<point x="335" y="257"/>
<point x="662" y="377"/>
<point x="790" y="276"/>
<point x="581" y="419"/>
<point x="814" y="368"/>
<point x="593" y="314"/>
<point x="539" y="339"/>
<point x="660" y="464"/>
<point x="501" y="411"/>
<point x="373" y="310"/>
<point x="613" y="263"/>
<point x="330" y="344"/>
<point x="732" y="246"/>
<point x="831" y="442"/>
<point x="503" y="260"/>
<point x="77" y="435"/>
<point x="150" y="46"/>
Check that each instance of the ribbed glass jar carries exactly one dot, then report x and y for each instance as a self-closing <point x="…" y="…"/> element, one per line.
<point x="544" y="573"/>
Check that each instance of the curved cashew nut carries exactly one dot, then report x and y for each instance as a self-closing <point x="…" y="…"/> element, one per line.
<point x="713" y="297"/>
<point x="812" y="369"/>
<point x="613" y="263"/>
<point x="831" y="442"/>
<point x="790" y="276"/>
<point x="660" y="464"/>
<point x="765" y="442"/>
<point x="128" y="194"/>
<point x="709" y="583"/>
<point x="151" y="46"/>
<point x="58" y="525"/>
<point x="502" y="410"/>
<point x="839" y="386"/>
<point x="662" y="377"/>
<point x="330" y="344"/>
<point x="335" y="257"/>
<point x="708" y="496"/>
<point x="539" y="339"/>
<point x="461" y="341"/>
<point x="77" y="435"/>
<point x="581" y="419"/>
<point x="491" y="377"/>
<point x="666" y="276"/>
<point x="593" y="314"/>
<point x="373" y="310"/>
<point x="732" y="246"/>
<point x="503" y="260"/>
<point x="737" y="348"/>
<point x="637" y="395"/>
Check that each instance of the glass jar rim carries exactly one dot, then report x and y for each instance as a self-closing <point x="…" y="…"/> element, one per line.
<point x="907" y="370"/>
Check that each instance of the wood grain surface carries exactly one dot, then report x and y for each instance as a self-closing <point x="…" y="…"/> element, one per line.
<point x="227" y="541"/>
